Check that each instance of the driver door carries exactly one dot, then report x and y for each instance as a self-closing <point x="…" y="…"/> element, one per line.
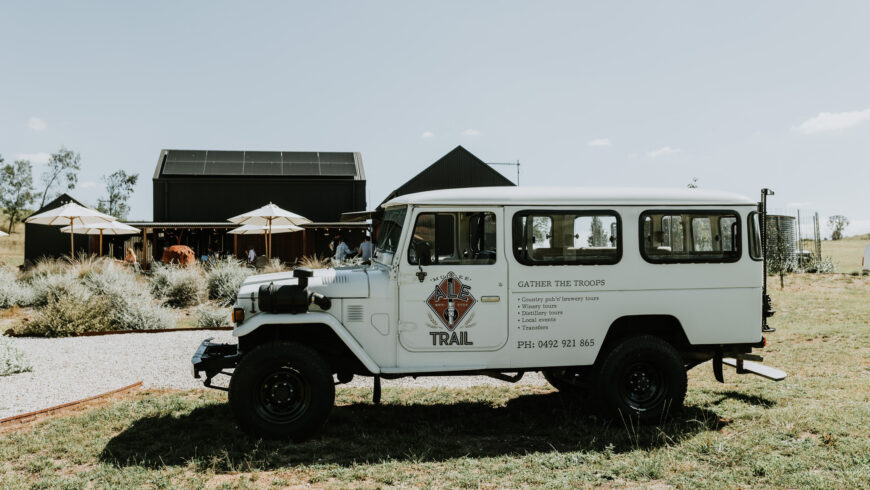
<point x="453" y="282"/>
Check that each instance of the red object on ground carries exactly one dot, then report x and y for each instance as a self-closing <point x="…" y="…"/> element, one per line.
<point x="179" y="254"/>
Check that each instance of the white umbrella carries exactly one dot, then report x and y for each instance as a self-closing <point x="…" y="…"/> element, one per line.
<point x="264" y="230"/>
<point x="105" y="228"/>
<point x="269" y="215"/>
<point x="70" y="214"/>
<point x="3" y="234"/>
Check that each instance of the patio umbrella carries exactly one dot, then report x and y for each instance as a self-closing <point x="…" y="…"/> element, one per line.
<point x="70" y="214"/>
<point x="265" y="231"/>
<point x="269" y="216"/>
<point x="106" y="228"/>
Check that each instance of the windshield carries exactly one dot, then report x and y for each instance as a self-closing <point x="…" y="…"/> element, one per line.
<point x="391" y="230"/>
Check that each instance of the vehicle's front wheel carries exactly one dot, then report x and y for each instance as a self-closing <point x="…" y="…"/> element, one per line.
<point x="281" y="390"/>
<point x="642" y="377"/>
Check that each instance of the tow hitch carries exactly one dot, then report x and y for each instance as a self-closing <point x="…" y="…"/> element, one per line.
<point x="212" y="358"/>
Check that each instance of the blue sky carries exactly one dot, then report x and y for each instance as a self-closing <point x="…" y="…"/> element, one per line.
<point x="740" y="94"/>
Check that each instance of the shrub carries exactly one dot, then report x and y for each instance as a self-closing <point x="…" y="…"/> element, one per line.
<point x="12" y="360"/>
<point x="178" y="286"/>
<point x="8" y="288"/>
<point x="224" y="279"/>
<point x="72" y="312"/>
<point x="91" y="297"/>
<point x="211" y="316"/>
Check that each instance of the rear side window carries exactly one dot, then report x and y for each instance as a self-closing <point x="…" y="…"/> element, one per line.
<point x="690" y="236"/>
<point x="754" y="237"/>
<point x="567" y="237"/>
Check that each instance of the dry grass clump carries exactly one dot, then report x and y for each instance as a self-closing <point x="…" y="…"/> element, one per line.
<point x="210" y="316"/>
<point x="225" y="277"/>
<point x="178" y="286"/>
<point x="12" y="360"/>
<point x="314" y="262"/>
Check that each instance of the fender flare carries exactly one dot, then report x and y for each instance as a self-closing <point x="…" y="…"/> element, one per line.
<point x="309" y="318"/>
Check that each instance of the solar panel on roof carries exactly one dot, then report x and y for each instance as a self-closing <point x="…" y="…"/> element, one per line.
<point x="254" y="163"/>
<point x="300" y="157"/>
<point x="183" y="168"/>
<point x="301" y="168"/>
<point x="329" y="157"/>
<point x="337" y="169"/>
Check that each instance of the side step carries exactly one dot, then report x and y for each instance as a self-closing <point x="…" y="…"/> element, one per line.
<point x="750" y="367"/>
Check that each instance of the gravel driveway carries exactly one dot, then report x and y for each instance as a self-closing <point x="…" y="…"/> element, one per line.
<point x="70" y="369"/>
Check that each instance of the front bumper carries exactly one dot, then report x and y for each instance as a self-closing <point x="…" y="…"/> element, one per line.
<point x="212" y="358"/>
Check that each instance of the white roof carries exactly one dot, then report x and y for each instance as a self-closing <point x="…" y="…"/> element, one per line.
<point x="572" y="196"/>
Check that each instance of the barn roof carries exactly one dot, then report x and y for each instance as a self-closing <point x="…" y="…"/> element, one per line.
<point x="308" y="164"/>
<point x="458" y="168"/>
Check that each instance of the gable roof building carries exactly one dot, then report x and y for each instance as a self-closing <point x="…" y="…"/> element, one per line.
<point x="458" y="168"/>
<point x="46" y="240"/>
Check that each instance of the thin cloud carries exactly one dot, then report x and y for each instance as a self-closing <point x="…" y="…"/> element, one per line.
<point x="427" y="134"/>
<point x="36" y="124"/>
<point x="833" y="121"/>
<point x="471" y="132"/>
<point x="40" y="158"/>
<point x="599" y="142"/>
<point x="663" y="152"/>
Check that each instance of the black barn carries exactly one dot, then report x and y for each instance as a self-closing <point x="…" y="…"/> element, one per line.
<point x="205" y="185"/>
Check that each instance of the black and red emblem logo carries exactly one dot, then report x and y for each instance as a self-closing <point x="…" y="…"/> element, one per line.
<point x="451" y="301"/>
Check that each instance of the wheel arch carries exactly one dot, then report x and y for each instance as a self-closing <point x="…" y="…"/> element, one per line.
<point x="665" y="327"/>
<point x="327" y="336"/>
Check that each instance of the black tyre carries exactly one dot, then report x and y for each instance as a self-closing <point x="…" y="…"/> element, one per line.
<point x="571" y="381"/>
<point x="281" y="390"/>
<point x="643" y="378"/>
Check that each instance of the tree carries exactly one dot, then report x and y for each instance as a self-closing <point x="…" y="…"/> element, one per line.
<point x="16" y="189"/>
<point x="119" y="188"/>
<point x="61" y="172"/>
<point x="838" y="224"/>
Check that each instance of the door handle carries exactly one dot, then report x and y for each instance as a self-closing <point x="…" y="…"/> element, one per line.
<point x="421" y="274"/>
<point x="490" y="299"/>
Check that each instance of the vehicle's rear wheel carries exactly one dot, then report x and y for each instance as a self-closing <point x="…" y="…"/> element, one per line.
<point x="568" y="380"/>
<point x="642" y="377"/>
<point x="281" y="390"/>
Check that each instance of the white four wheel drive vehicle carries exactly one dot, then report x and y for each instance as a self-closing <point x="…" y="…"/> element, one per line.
<point x="614" y="293"/>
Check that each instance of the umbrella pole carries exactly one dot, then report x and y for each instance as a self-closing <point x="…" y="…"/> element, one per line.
<point x="270" y="239"/>
<point x="72" y="246"/>
<point x="101" y="242"/>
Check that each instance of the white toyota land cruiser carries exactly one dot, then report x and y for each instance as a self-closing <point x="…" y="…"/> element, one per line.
<point x="615" y="293"/>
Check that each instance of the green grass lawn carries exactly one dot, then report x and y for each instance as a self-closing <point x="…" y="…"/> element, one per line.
<point x="847" y="253"/>
<point x="810" y="430"/>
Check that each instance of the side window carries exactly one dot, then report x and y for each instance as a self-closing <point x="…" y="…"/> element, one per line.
<point x="754" y="236"/>
<point x="467" y="238"/>
<point x="690" y="236"/>
<point x="566" y="237"/>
